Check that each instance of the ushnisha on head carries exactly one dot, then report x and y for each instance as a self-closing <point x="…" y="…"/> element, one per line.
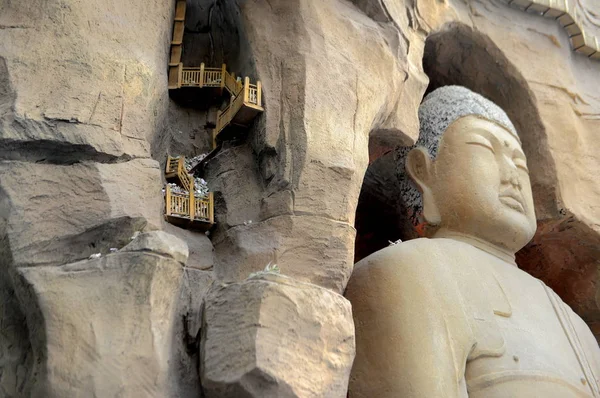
<point x="469" y="174"/>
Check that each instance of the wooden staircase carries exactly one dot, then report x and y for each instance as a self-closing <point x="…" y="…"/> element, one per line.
<point x="175" y="170"/>
<point x="245" y="99"/>
<point x="178" y="30"/>
<point x="186" y="209"/>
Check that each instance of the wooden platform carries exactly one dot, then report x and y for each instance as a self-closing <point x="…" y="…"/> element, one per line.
<point x="183" y="222"/>
<point x="183" y="207"/>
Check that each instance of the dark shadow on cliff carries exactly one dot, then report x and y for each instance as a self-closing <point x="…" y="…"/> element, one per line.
<point x="16" y="354"/>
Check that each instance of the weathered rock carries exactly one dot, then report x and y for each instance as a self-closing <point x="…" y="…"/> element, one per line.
<point x="195" y="285"/>
<point x="85" y="81"/>
<point x="333" y="78"/>
<point x="82" y="81"/>
<point x="235" y="179"/>
<point x="83" y="92"/>
<point x="16" y="355"/>
<point x="160" y="242"/>
<point x="201" y="251"/>
<point x="58" y="214"/>
<point x="289" y="339"/>
<point x="185" y="359"/>
<point x="381" y="215"/>
<point x="289" y="242"/>
<point x="102" y="327"/>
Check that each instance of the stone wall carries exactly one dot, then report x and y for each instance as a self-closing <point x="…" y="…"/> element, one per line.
<point x="84" y="123"/>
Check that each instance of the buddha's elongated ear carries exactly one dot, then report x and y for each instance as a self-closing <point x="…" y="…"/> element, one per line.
<point x="419" y="168"/>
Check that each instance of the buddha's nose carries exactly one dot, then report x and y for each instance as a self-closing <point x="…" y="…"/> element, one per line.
<point x="511" y="173"/>
<point x="514" y="179"/>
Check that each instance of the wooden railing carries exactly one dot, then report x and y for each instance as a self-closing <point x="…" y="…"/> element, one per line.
<point x="216" y="77"/>
<point x="241" y="94"/>
<point x="172" y="165"/>
<point x="191" y="77"/>
<point x="177" y="166"/>
<point x="208" y="77"/>
<point x="226" y="115"/>
<point x="232" y="84"/>
<point x="250" y="94"/>
<point x="177" y="204"/>
<point x="213" y="77"/>
<point x="204" y="208"/>
<point x="189" y="205"/>
<point x="253" y="93"/>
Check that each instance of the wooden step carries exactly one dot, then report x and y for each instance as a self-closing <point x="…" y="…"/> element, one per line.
<point x="176" y="51"/>
<point x="175" y="76"/>
<point x="178" y="29"/>
<point x="246" y="114"/>
<point x="180" y="9"/>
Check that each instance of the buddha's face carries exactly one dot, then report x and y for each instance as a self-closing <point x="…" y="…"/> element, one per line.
<point x="480" y="186"/>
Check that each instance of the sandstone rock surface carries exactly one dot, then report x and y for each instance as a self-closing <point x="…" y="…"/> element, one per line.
<point x="102" y="327"/>
<point x="83" y="81"/>
<point x="290" y="339"/>
<point x="333" y="76"/>
<point x="55" y="214"/>
<point x="84" y="107"/>
<point x="160" y="242"/>
<point x="328" y="244"/>
<point x="186" y="338"/>
<point x="201" y="251"/>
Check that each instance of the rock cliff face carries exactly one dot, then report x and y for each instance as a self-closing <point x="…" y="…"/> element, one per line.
<point x="83" y="100"/>
<point x="86" y="122"/>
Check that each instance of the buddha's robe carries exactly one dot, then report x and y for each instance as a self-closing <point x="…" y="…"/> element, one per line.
<point x="441" y="318"/>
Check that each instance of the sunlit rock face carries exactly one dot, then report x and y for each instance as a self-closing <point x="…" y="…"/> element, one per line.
<point x="291" y="339"/>
<point x="83" y="102"/>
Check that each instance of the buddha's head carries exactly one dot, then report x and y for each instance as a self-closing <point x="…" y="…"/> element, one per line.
<point x="470" y="170"/>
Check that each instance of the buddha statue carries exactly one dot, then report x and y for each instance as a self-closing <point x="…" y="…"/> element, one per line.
<point x="451" y="315"/>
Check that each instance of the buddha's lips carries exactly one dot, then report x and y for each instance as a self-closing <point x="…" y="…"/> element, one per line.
<point x="513" y="200"/>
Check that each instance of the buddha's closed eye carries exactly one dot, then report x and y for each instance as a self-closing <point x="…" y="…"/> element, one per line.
<point x="521" y="164"/>
<point x="481" y="141"/>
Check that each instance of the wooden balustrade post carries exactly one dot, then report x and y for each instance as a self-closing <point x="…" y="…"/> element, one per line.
<point x="192" y="208"/>
<point x="179" y="74"/>
<point x="201" y="74"/>
<point x="211" y="209"/>
<point x="223" y="76"/>
<point x="258" y="93"/>
<point x="246" y="88"/>
<point x="168" y="200"/>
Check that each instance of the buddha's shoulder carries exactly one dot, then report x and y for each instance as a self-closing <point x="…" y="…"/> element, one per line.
<point x="429" y="257"/>
<point x="420" y="271"/>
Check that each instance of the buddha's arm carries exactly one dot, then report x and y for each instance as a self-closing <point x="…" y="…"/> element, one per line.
<point x="411" y="334"/>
